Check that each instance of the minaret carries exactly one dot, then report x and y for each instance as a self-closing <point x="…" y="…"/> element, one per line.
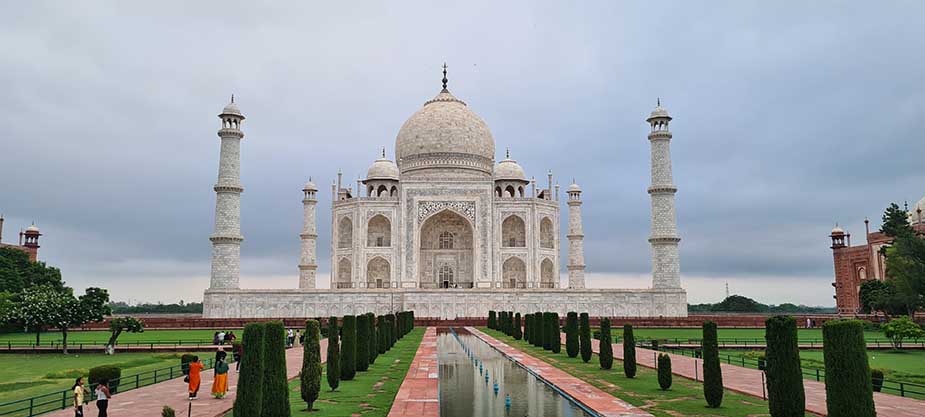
<point x="666" y="269"/>
<point x="226" y="239"/>
<point x="576" y="236"/>
<point x="309" y="235"/>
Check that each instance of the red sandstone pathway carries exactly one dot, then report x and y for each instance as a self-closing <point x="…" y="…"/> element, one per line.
<point x="419" y="394"/>
<point x="149" y="400"/>
<point x="748" y="381"/>
<point x="583" y="392"/>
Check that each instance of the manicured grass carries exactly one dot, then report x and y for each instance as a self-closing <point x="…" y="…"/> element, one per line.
<point x="27" y="375"/>
<point x="685" y="398"/>
<point x="900" y="366"/>
<point x="101" y="337"/>
<point x="688" y="333"/>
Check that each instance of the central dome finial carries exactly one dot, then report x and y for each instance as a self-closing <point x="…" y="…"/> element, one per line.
<point x="444" y="77"/>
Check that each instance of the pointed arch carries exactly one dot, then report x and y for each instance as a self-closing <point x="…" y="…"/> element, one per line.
<point x="344" y="273"/>
<point x="379" y="232"/>
<point x="547" y="234"/>
<point x="345" y="233"/>
<point x="513" y="232"/>
<point x="509" y="192"/>
<point x="382" y="191"/>
<point x="547" y="274"/>
<point x="514" y="273"/>
<point x="446" y="251"/>
<point x="378" y="273"/>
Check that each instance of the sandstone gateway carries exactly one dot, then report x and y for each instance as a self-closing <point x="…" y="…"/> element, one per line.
<point x="444" y="231"/>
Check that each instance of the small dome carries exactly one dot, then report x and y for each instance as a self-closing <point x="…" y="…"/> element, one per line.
<point x="382" y="169"/>
<point x="32" y="228"/>
<point x="837" y="230"/>
<point x="914" y="212"/>
<point x="232" y="109"/>
<point x="574" y="188"/>
<point x="509" y="169"/>
<point x="659" y="113"/>
<point x="310" y="186"/>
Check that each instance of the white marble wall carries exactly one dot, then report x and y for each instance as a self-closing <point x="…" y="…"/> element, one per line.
<point x="664" y="236"/>
<point x="307" y="259"/>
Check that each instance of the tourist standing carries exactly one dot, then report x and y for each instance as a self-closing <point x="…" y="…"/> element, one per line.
<point x="221" y="338"/>
<point x="79" y="392"/>
<point x="195" y="368"/>
<point x="237" y="350"/>
<point x="102" y="397"/>
<point x="215" y="338"/>
<point x="290" y="337"/>
<point x="220" y="383"/>
<point x="220" y="355"/>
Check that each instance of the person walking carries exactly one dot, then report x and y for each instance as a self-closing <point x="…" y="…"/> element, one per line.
<point x="220" y="383"/>
<point x="79" y="392"/>
<point x="221" y="338"/>
<point x="215" y="338"/>
<point x="195" y="368"/>
<point x="237" y="352"/>
<point x="102" y="397"/>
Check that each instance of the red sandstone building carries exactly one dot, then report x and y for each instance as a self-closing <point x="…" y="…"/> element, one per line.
<point x="28" y="241"/>
<point x="856" y="264"/>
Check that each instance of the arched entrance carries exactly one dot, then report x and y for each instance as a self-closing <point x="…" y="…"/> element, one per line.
<point x="377" y="273"/>
<point x="446" y="257"/>
<point x="547" y="274"/>
<point x="514" y="273"/>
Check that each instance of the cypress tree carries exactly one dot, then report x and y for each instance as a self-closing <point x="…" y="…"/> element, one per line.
<point x="664" y="371"/>
<point x="518" y="332"/>
<point x="629" y="351"/>
<point x="555" y="340"/>
<point x="584" y="337"/>
<point x="492" y="320"/>
<point x="310" y="377"/>
<point x="390" y="327"/>
<point x="547" y="331"/>
<point x="275" y="382"/>
<point x="540" y="327"/>
<point x="373" y="338"/>
<point x="527" y="324"/>
<point x="383" y="334"/>
<point x="510" y="323"/>
<point x="248" y="401"/>
<point x="571" y="334"/>
<point x="848" y="388"/>
<point x="782" y="367"/>
<point x="348" y="348"/>
<point x="712" y="373"/>
<point x="606" y="348"/>
<point x="362" y="343"/>
<point x="333" y="359"/>
<point x="501" y="321"/>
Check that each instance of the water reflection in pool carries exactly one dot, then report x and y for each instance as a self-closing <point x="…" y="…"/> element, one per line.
<point x="465" y="392"/>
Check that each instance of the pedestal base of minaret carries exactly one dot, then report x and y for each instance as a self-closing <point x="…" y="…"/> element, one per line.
<point x="443" y="303"/>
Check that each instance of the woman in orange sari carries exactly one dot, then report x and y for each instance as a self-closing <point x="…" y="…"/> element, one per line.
<point x="195" y="368"/>
<point x="220" y="383"/>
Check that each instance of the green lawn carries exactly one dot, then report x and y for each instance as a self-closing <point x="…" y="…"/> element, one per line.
<point x="102" y="336"/>
<point x="685" y="398"/>
<point x="722" y="333"/>
<point x="27" y="375"/>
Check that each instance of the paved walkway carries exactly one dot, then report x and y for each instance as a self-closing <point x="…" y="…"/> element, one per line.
<point x="150" y="400"/>
<point x="749" y="381"/>
<point x="419" y="394"/>
<point x="581" y="391"/>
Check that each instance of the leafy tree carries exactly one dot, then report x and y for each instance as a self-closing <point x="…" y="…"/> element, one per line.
<point x="848" y="389"/>
<point x="117" y="325"/>
<point x="333" y="359"/>
<point x="629" y="351"/>
<point x="786" y="397"/>
<point x="901" y="328"/>
<point x="606" y="348"/>
<point x="738" y="303"/>
<point x="712" y="373"/>
<point x="905" y="265"/>
<point x="584" y="337"/>
<point x="310" y="377"/>
<point x="664" y="371"/>
<point x="571" y="334"/>
<point x="18" y="273"/>
<point x="42" y="307"/>
<point x="249" y="400"/>
<point x="362" y="355"/>
<point x="518" y="331"/>
<point x="121" y="307"/>
<point x="348" y="348"/>
<point x="275" y="383"/>
<point x="895" y="222"/>
<point x="373" y="338"/>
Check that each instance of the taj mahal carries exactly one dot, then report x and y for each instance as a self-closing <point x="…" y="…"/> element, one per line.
<point x="443" y="230"/>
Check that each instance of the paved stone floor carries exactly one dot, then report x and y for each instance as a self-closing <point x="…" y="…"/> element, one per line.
<point x="149" y="400"/>
<point x="419" y="394"/>
<point x="749" y="381"/>
<point x="583" y="392"/>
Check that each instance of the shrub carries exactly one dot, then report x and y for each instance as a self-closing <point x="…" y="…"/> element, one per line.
<point x="571" y="334"/>
<point x="373" y="338"/>
<point x="782" y="364"/>
<point x="606" y="349"/>
<point x="584" y="337"/>
<point x="547" y="330"/>
<point x="664" y="371"/>
<point x="712" y="373"/>
<point x="362" y="343"/>
<point x="848" y="388"/>
<point x="333" y="359"/>
<point x="168" y="412"/>
<point x="501" y="322"/>
<point x="110" y="373"/>
<point x="390" y="327"/>
<point x="518" y="331"/>
<point x="248" y="401"/>
<point x="901" y="328"/>
<point x="876" y="379"/>
<point x="310" y="377"/>
<point x="629" y="352"/>
<point x="527" y="325"/>
<point x="383" y="334"/>
<point x="348" y="348"/>
<point x="492" y="320"/>
<point x="540" y="328"/>
<point x="555" y="341"/>
<point x="275" y="383"/>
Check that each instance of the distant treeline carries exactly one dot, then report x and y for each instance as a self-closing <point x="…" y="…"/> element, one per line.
<point x="121" y="307"/>
<point x="740" y="304"/>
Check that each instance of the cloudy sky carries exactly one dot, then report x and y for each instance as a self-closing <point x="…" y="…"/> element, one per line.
<point x="789" y="116"/>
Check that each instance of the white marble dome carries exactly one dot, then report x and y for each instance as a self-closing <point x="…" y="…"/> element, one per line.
<point x="914" y="211"/>
<point x="444" y="129"/>
<point x="574" y="188"/>
<point x="232" y="109"/>
<point x="382" y="169"/>
<point x="33" y="228"/>
<point x="509" y="169"/>
<point x="659" y="112"/>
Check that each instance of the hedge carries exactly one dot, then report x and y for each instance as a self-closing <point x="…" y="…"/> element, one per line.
<point x="492" y="320"/>
<point x="310" y="377"/>
<point x="333" y="358"/>
<point x="629" y="351"/>
<point x="555" y="342"/>
<point x="168" y="412"/>
<point x="712" y="373"/>
<point x="373" y="338"/>
<point x="390" y="326"/>
<point x="527" y="325"/>
<point x="362" y="343"/>
<point x="383" y="334"/>
<point x="571" y="334"/>
<point x="606" y="348"/>
<point x="584" y="337"/>
<point x="275" y="382"/>
<point x="782" y="368"/>
<point x="348" y="348"/>
<point x="540" y="327"/>
<point x="664" y="371"/>
<point x="518" y="331"/>
<point x="848" y="387"/>
<point x="108" y="373"/>
<point x="876" y="379"/>
<point x="249" y="392"/>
